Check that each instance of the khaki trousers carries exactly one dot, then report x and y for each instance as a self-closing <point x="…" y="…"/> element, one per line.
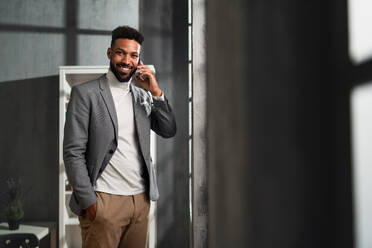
<point x="121" y="221"/>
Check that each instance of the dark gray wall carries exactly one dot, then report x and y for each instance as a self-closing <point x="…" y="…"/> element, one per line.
<point x="165" y="25"/>
<point x="29" y="143"/>
<point x="279" y="81"/>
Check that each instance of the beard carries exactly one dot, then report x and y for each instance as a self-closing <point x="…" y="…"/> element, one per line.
<point x="118" y="75"/>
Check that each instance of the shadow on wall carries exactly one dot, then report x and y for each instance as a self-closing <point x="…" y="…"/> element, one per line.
<point x="29" y="143"/>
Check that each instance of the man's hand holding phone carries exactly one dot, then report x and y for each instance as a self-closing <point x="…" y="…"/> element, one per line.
<point x="147" y="79"/>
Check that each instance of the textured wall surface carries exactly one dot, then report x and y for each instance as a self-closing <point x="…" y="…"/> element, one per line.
<point x="29" y="143"/>
<point x="38" y="36"/>
<point x="200" y="170"/>
<point x="33" y="13"/>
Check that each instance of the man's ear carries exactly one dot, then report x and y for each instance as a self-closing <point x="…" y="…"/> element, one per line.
<point x="109" y="53"/>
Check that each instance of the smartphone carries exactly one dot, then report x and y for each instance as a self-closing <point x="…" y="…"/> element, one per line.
<point x="136" y="82"/>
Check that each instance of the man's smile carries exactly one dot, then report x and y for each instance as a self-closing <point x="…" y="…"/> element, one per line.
<point x="124" y="68"/>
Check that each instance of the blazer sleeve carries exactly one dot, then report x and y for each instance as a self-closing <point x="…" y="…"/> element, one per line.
<point x="75" y="146"/>
<point x="163" y="121"/>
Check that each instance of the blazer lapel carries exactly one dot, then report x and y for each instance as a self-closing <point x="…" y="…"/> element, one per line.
<point x="140" y="121"/>
<point x="107" y="98"/>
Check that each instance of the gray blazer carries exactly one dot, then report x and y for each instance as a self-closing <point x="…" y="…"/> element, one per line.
<point x="91" y="136"/>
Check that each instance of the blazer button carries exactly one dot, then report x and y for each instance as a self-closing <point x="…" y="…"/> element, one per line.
<point x="111" y="151"/>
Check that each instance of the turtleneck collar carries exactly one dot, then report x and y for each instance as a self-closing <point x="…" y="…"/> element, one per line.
<point x="114" y="82"/>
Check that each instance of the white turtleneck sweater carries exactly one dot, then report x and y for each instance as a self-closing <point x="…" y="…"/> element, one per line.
<point x="124" y="175"/>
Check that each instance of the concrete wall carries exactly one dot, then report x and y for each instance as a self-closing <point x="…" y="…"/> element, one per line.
<point x="199" y="120"/>
<point x="38" y="36"/>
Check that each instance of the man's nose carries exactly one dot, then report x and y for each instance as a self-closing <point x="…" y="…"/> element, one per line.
<point x="125" y="59"/>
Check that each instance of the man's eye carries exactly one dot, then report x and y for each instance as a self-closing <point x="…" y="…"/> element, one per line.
<point x="134" y="56"/>
<point x="119" y="52"/>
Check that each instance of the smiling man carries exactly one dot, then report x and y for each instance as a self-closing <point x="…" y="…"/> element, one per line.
<point x="106" y="146"/>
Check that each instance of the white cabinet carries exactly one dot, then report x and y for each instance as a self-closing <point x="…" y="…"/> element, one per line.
<point x="69" y="230"/>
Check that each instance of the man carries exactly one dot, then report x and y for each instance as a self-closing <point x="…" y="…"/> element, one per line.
<point x="106" y="146"/>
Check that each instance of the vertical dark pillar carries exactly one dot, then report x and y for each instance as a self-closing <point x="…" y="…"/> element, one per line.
<point x="278" y="124"/>
<point x="71" y="20"/>
<point x="229" y="81"/>
<point x="339" y="129"/>
<point x="29" y="144"/>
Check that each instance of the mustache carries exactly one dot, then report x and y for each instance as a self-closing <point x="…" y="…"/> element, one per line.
<point x="125" y="65"/>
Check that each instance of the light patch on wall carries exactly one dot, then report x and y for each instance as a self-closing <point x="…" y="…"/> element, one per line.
<point x="361" y="105"/>
<point x="92" y="49"/>
<point x="360" y="32"/>
<point x="44" y="13"/>
<point x="30" y="55"/>
<point x="108" y="14"/>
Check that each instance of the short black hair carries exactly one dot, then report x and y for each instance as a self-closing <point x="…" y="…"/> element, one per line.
<point x="126" y="32"/>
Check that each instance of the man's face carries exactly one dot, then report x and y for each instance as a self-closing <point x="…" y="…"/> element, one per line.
<point x="123" y="56"/>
